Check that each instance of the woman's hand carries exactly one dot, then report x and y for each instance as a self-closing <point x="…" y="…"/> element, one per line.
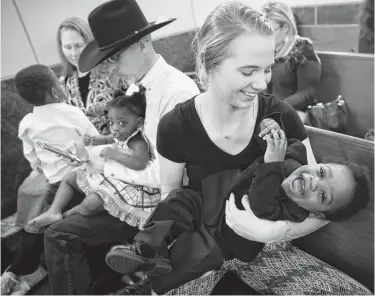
<point x="247" y="225"/>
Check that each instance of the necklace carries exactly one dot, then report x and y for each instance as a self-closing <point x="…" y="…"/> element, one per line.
<point x="252" y="113"/>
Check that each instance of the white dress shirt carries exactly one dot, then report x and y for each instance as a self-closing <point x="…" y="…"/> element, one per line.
<point x="165" y="87"/>
<point x="56" y="124"/>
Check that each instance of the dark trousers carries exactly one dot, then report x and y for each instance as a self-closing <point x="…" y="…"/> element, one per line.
<point x="178" y="219"/>
<point x="27" y="258"/>
<point x="66" y="245"/>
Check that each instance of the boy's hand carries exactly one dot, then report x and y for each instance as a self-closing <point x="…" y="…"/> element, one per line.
<point x="79" y="150"/>
<point x="108" y="153"/>
<point x="276" y="146"/>
<point x="267" y="125"/>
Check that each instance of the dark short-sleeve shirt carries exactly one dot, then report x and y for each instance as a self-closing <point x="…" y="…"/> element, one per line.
<point x="296" y="76"/>
<point x="182" y="138"/>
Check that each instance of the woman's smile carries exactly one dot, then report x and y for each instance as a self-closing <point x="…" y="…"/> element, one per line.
<point x="249" y="95"/>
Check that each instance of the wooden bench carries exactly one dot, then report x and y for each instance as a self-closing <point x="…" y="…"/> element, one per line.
<point x="346" y="245"/>
<point x="352" y="76"/>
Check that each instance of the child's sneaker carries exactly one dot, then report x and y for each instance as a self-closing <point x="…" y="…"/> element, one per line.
<point x="8" y="282"/>
<point x="26" y="282"/>
<point x="21" y="288"/>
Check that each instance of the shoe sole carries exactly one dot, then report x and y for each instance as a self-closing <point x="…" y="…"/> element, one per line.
<point x="128" y="263"/>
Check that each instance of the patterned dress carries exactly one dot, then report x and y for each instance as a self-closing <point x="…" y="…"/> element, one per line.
<point x="100" y="91"/>
<point x="121" y="199"/>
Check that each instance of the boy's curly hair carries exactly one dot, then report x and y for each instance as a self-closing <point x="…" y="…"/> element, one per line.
<point x="34" y="82"/>
<point x="362" y="193"/>
<point x="135" y="103"/>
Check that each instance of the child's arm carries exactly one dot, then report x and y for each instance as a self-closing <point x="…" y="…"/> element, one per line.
<point x="30" y="154"/>
<point x="97" y="140"/>
<point x="138" y="161"/>
<point x="28" y="145"/>
<point x="266" y="199"/>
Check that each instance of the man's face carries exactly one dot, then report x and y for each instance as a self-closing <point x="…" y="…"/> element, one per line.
<point x="129" y="62"/>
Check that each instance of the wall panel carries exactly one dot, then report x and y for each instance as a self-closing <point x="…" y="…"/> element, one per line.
<point x="16" y="51"/>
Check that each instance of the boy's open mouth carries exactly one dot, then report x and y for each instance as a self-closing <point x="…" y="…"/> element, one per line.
<point x="298" y="186"/>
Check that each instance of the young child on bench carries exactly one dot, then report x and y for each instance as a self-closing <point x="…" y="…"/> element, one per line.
<point x="51" y="122"/>
<point x="128" y="202"/>
<point x="328" y="190"/>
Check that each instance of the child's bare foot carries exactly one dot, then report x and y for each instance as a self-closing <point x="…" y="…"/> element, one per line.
<point x="78" y="210"/>
<point x="47" y="218"/>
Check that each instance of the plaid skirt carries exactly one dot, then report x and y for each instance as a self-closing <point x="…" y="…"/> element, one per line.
<point x="280" y="269"/>
<point x="120" y="199"/>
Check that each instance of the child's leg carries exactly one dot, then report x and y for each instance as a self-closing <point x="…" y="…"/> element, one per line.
<point x="64" y="194"/>
<point x="90" y="205"/>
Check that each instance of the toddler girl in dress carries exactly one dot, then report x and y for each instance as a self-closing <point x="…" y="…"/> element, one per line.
<point x="111" y="190"/>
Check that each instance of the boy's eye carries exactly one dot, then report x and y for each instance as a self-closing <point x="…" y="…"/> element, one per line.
<point x="321" y="172"/>
<point x="323" y="196"/>
<point x="111" y="122"/>
<point x="122" y="123"/>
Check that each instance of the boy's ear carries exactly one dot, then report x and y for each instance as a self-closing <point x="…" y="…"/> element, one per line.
<point x="54" y="92"/>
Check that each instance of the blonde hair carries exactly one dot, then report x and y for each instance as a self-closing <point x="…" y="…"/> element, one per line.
<point x="81" y="27"/>
<point x="224" y="24"/>
<point x="281" y="13"/>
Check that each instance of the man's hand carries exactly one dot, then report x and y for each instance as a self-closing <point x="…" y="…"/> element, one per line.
<point x="267" y="125"/>
<point x="276" y="146"/>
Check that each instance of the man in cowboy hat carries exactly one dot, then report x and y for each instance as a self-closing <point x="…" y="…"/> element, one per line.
<point x="123" y="41"/>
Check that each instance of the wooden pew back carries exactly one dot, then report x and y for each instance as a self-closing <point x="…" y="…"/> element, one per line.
<point x="352" y="76"/>
<point x="347" y="245"/>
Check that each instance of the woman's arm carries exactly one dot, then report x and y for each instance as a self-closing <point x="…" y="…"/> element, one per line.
<point x="171" y="175"/>
<point x="308" y="78"/>
<point x="247" y="225"/>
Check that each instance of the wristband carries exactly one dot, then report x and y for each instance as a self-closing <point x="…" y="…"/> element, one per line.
<point x="287" y="233"/>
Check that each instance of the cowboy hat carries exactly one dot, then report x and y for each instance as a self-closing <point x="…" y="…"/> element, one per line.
<point x="116" y="25"/>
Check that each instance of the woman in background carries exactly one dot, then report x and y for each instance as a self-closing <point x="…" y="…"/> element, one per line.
<point x="297" y="70"/>
<point x="88" y="91"/>
<point x="366" y="32"/>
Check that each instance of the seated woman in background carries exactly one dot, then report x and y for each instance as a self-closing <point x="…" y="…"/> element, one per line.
<point x="297" y="69"/>
<point x="366" y="23"/>
<point x="88" y="91"/>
